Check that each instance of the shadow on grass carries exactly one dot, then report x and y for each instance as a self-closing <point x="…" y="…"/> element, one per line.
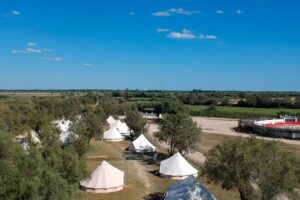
<point x="145" y="158"/>
<point x="155" y="173"/>
<point x="154" y="196"/>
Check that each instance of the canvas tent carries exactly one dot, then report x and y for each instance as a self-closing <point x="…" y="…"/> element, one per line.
<point x="63" y="125"/>
<point x="32" y="134"/>
<point x="141" y="144"/>
<point x="23" y="140"/>
<point x="190" y="188"/>
<point x="112" y="134"/>
<point x="110" y="120"/>
<point x="122" y="127"/>
<point x="176" y="167"/>
<point x="104" y="179"/>
<point x="67" y="137"/>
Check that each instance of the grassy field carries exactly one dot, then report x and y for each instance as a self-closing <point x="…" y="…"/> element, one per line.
<point x="271" y="111"/>
<point x="209" y="140"/>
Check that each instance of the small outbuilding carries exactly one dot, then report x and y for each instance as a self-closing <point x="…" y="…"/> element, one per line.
<point x="104" y="179"/>
<point x="141" y="144"/>
<point x="190" y="188"/>
<point x="176" y="167"/>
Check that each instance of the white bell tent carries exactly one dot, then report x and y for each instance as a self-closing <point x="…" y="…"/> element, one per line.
<point x="113" y="134"/>
<point x="141" y="144"/>
<point x="176" y="167"/>
<point x="104" y="179"/>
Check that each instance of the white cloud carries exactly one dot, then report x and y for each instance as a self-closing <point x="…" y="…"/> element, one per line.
<point x="162" y="30"/>
<point x="55" y="59"/>
<point x="131" y="13"/>
<point x="219" y="12"/>
<point x="15" y="12"/>
<point x="46" y="50"/>
<point x="18" y="51"/>
<point x="211" y="37"/>
<point x="31" y="44"/>
<point x="172" y="11"/>
<point x="32" y="50"/>
<point x="181" y="11"/>
<point x="87" y="64"/>
<point x="185" y="34"/>
<point x="161" y="14"/>
<point x="207" y="37"/>
<point x="240" y="12"/>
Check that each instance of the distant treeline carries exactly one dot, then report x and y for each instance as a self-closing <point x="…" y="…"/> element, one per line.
<point x="257" y="99"/>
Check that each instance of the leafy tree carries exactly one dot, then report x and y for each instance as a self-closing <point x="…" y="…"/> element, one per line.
<point x="180" y="132"/>
<point x="135" y="121"/>
<point x="89" y="126"/>
<point x="257" y="169"/>
<point x="170" y="106"/>
<point x="109" y="105"/>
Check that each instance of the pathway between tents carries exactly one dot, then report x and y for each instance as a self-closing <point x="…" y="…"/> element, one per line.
<point x="141" y="170"/>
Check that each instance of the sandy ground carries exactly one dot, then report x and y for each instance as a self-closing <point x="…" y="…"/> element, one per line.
<point x="225" y="127"/>
<point x="216" y="126"/>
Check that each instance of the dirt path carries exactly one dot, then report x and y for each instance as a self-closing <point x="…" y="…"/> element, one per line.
<point x="141" y="172"/>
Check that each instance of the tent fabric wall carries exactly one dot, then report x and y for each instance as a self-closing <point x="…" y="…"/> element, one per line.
<point x="104" y="179"/>
<point x="110" y="120"/>
<point x="176" y="167"/>
<point x="122" y="127"/>
<point x="141" y="144"/>
<point x="112" y="134"/>
<point x="190" y="188"/>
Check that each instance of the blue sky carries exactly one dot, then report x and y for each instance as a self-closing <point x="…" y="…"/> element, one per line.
<point x="150" y="44"/>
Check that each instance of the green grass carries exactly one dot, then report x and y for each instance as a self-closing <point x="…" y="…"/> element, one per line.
<point x="112" y="152"/>
<point x="134" y="188"/>
<point x="268" y="111"/>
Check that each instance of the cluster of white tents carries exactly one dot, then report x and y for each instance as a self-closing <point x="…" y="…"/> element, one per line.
<point x="66" y="136"/>
<point x="117" y="131"/>
<point x="106" y="178"/>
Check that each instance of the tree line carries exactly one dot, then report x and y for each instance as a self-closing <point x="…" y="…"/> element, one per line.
<point x="52" y="171"/>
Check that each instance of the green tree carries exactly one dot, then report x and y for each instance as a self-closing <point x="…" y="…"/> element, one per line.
<point x="180" y="132"/>
<point x="135" y="121"/>
<point x="89" y="126"/>
<point x="257" y="169"/>
<point x="170" y="106"/>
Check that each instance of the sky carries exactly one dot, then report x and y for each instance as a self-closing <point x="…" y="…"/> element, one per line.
<point x="150" y="44"/>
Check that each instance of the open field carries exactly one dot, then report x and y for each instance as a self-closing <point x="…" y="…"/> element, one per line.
<point x="267" y="111"/>
<point x="140" y="182"/>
